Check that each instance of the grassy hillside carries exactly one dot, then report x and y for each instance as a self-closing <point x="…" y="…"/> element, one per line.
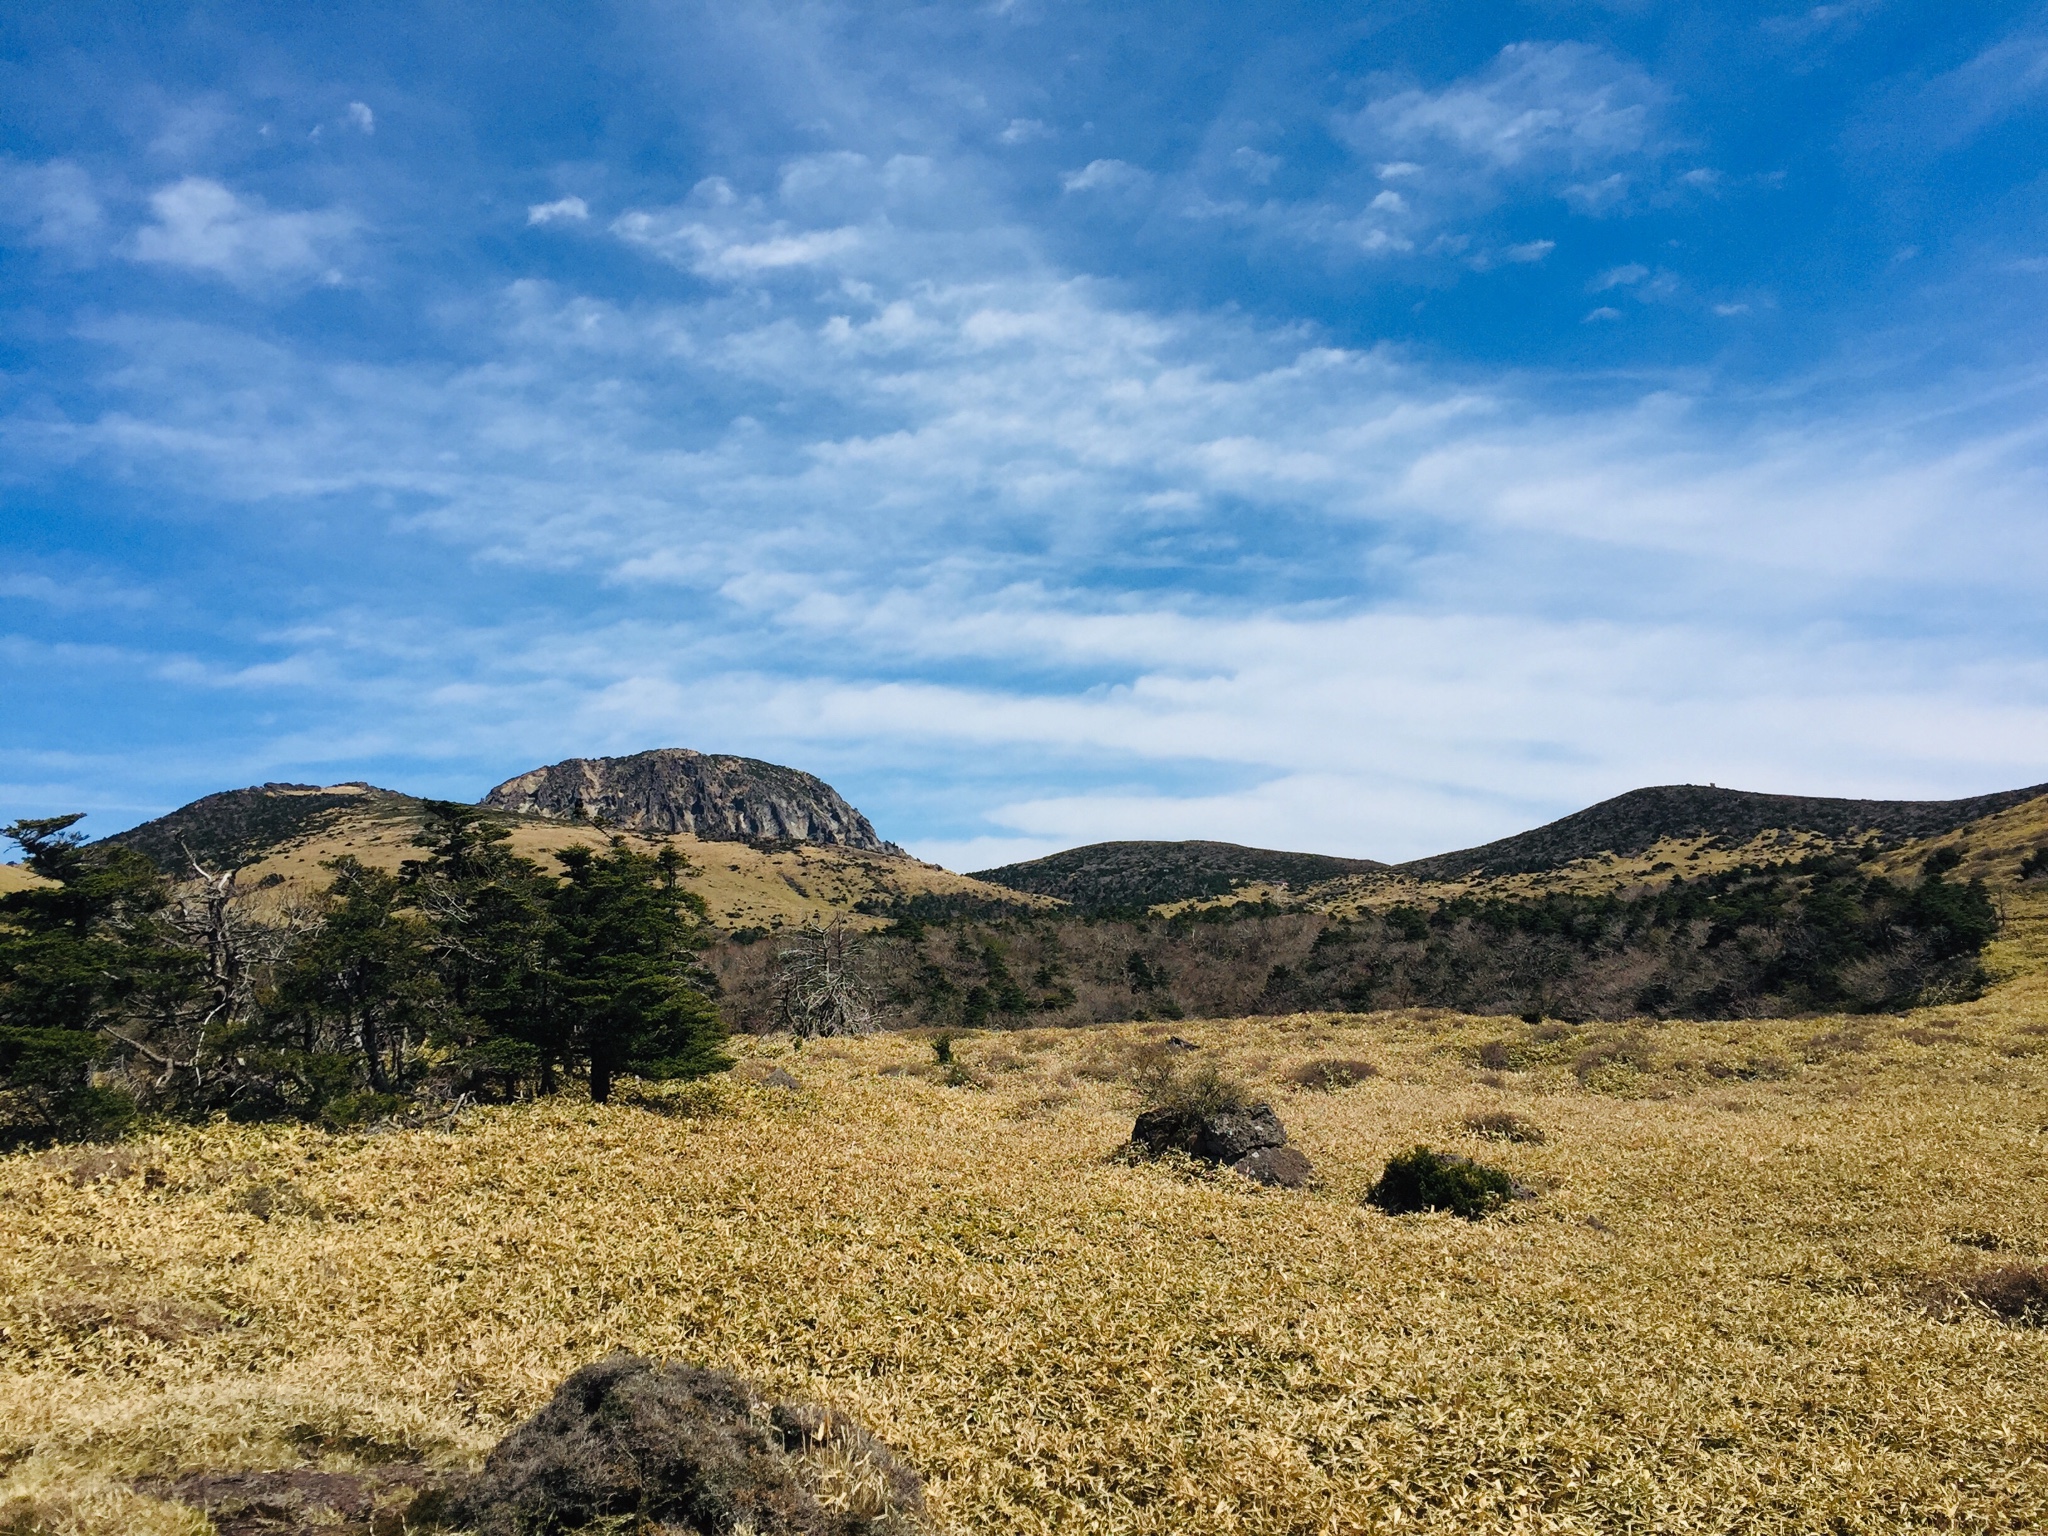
<point x="237" y="825"/>
<point x="1724" y="1311"/>
<point x="1632" y="824"/>
<point x="282" y="836"/>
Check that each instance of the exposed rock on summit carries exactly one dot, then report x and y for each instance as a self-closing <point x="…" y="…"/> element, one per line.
<point x="672" y="789"/>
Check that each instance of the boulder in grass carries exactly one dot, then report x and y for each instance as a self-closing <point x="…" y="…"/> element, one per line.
<point x="1214" y="1136"/>
<point x="1247" y="1139"/>
<point x="1279" y="1167"/>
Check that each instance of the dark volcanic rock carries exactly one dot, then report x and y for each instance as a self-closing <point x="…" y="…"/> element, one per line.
<point x="1238" y="1133"/>
<point x="672" y="789"/>
<point x="1282" y="1167"/>
<point x="1222" y="1137"/>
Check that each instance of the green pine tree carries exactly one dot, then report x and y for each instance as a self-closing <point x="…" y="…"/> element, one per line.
<point x="90" y="981"/>
<point x="626" y="932"/>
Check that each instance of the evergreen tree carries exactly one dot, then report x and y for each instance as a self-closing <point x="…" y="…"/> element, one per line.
<point x="625" y="933"/>
<point x="90" y="982"/>
<point x="490" y="923"/>
<point x="360" y="992"/>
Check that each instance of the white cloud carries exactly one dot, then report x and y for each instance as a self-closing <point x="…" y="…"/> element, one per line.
<point x="715" y="252"/>
<point x="202" y="226"/>
<point x="1533" y="250"/>
<point x="938" y="499"/>
<point x="1256" y="167"/>
<point x="1022" y="130"/>
<point x="1538" y="106"/>
<point x="1105" y="175"/>
<point x="1730" y="310"/>
<point x="360" y="117"/>
<point x="1597" y="197"/>
<point x="572" y="209"/>
<point x="1619" y="277"/>
<point x="1604" y="312"/>
<point x="1389" y="202"/>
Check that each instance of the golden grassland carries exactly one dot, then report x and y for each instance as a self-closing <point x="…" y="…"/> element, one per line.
<point x="1712" y="1318"/>
<point x="743" y="886"/>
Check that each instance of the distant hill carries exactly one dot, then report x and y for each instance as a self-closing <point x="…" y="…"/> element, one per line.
<point x="237" y="826"/>
<point x="1631" y="824"/>
<point x="1104" y="875"/>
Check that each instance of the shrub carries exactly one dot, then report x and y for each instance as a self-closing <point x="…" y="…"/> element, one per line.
<point x="1499" y="1125"/>
<point x="1329" y="1073"/>
<point x="692" y="1449"/>
<point x="1198" y="1091"/>
<point x="1422" y="1180"/>
<point x="2035" y="865"/>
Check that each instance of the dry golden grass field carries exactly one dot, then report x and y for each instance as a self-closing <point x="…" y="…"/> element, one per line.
<point x="1722" y="1313"/>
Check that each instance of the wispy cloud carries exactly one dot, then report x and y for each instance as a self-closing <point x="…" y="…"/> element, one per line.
<point x="53" y="205"/>
<point x="1538" y="109"/>
<point x="202" y="226"/>
<point x="572" y="210"/>
<point x="1032" y="480"/>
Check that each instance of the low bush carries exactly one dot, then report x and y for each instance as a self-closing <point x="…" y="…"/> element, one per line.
<point x="1328" y="1074"/>
<point x="630" y="1441"/>
<point x="1198" y="1091"/>
<point x="1422" y="1180"/>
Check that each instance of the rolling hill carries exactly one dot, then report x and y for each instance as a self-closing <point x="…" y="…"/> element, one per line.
<point x="1145" y="874"/>
<point x="1632" y="824"/>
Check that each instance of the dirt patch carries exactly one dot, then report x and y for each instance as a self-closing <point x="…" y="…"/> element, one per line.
<point x="301" y="1501"/>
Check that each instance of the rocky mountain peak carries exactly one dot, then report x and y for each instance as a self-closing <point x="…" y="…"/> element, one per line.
<point x="709" y="795"/>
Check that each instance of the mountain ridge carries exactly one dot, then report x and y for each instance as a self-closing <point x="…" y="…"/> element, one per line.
<point x="1632" y="823"/>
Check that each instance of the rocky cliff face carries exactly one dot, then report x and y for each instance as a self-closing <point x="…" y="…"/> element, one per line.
<point x="672" y="789"/>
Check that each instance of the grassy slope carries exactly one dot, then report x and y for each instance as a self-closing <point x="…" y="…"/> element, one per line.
<point x="1707" y="1321"/>
<point x="744" y="886"/>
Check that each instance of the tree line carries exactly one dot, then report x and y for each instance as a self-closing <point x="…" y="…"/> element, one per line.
<point x="471" y="970"/>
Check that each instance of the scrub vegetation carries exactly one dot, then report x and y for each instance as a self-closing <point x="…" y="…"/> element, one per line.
<point x="1819" y="934"/>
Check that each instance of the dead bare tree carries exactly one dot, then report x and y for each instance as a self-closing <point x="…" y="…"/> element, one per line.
<point x="821" y="984"/>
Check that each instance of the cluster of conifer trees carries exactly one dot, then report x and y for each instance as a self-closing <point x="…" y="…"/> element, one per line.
<point x="470" y="970"/>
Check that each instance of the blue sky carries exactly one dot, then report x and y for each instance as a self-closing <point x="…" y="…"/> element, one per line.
<point x="1367" y="428"/>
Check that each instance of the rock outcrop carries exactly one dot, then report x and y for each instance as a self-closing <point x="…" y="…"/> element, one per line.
<point x="672" y="789"/>
<point x="1248" y="1140"/>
